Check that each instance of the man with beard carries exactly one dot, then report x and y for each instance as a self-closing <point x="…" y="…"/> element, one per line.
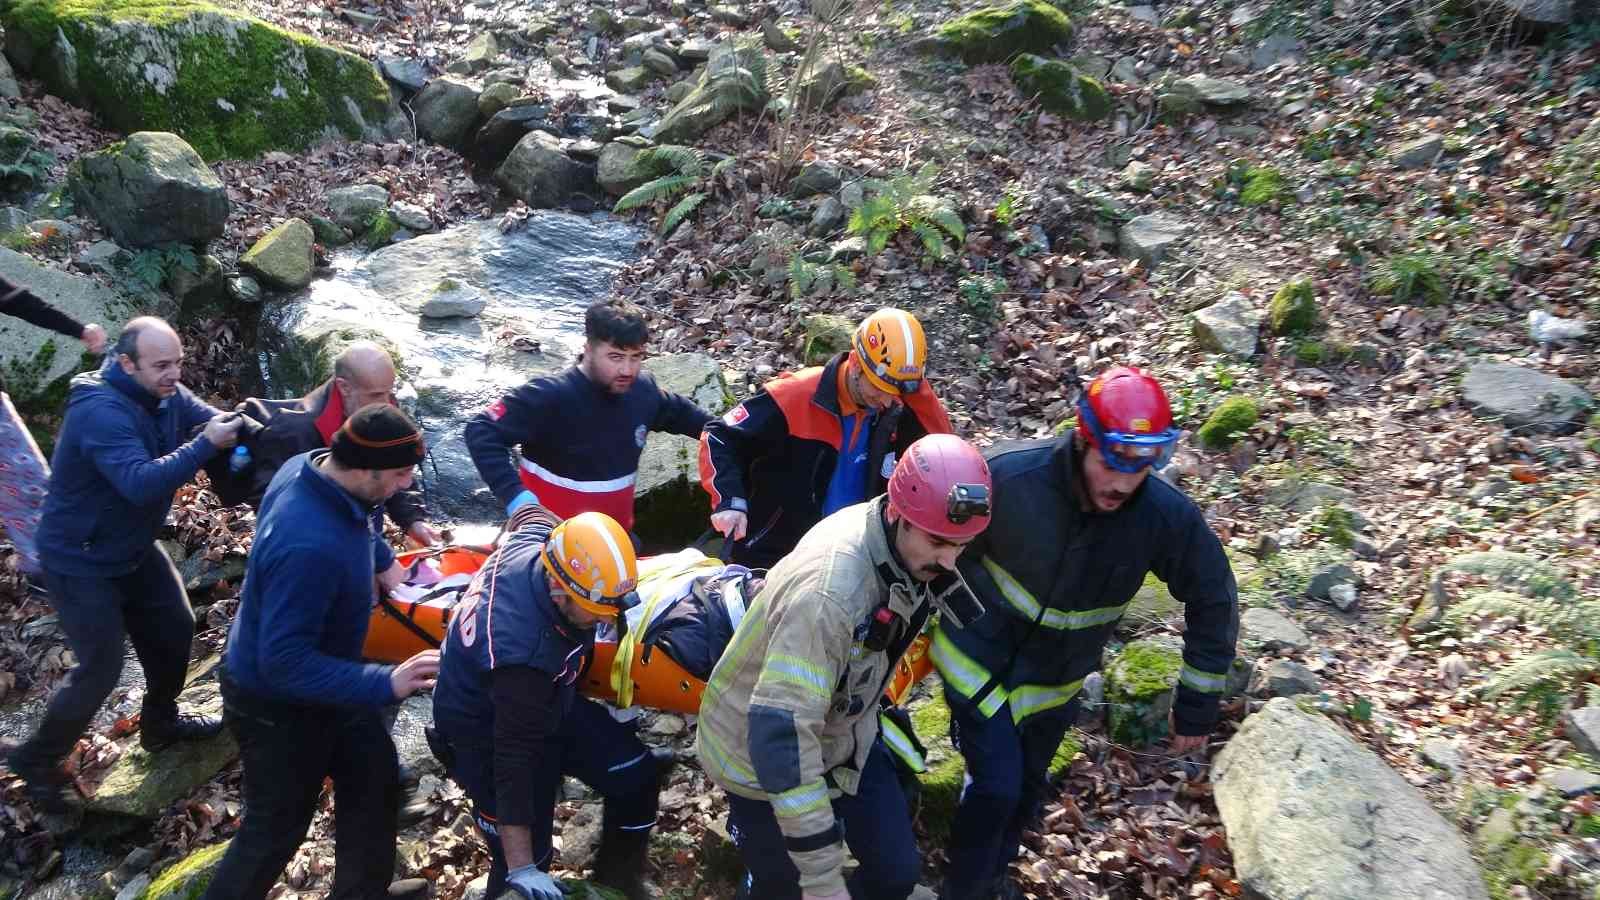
<point x="789" y="720"/>
<point x="580" y="433"/>
<point x="296" y="693"/>
<point x="1079" y="522"/>
<point x="123" y="452"/>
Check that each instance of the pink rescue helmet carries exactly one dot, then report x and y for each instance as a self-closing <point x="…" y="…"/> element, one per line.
<point x="942" y="486"/>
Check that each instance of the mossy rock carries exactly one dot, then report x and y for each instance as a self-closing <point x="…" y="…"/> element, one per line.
<point x="1152" y="604"/>
<point x="670" y="507"/>
<point x="188" y="878"/>
<point x="1233" y="417"/>
<point x="826" y="334"/>
<point x="734" y="80"/>
<point x="232" y="85"/>
<point x="1061" y="89"/>
<point x="283" y="257"/>
<point x="997" y="33"/>
<point x="1293" y="309"/>
<point x="1139" y="685"/>
<point x="306" y="358"/>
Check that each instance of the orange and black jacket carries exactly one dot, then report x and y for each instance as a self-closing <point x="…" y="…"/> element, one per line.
<point x="772" y="456"/>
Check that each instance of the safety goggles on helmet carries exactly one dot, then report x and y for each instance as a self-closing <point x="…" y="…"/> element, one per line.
<point x="595" y="599"/>
<point x="967" y="501"/>
<point x="1129" y="452"/>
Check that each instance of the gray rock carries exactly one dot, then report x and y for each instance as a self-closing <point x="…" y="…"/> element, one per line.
<point x="816" y="178"/>
<point x="615" y="173"/>
<point x="777" y="39"/>
<point x="8" y="81"/>
<point x="697" y="50"/>
<point x="408" y="73"/>
<point x="670" y="505"/>
<point x="354" y="207"/>
<point x="1279" y="48"/>
<point x="679" y="90"/>
<point x="456" y="302"/>
<point x="1232" y="325"/>
<point x="411" y="745"/>
<point x="1271" y="630"/>
<point x="244" y="289"/>
<point x="1138" y="176"/>
<point x="580" y="837"/>
<point x="14" y="217"/>
<point x="667" y="725"/>
<point x="628" y="80"/>
<point x="140" y="784"/>
<point x="282" y="259"/>
<point x="1303" y="497"/>
<point x="600" y="20"/>
<point x="728" y="14"/>
<point x="828" y="218"/>
<point x="37" y="359"/>
<point x="1523" y="398"/>
<point x="728" y="85"/>
<point x="538" y="173"/>
<point x="1126" y="71"/>
<point x="329" y="233"/>
<point x="1149" y="238"/>
<point x="101" y="256"/>
<point x="848" y="249"/>
<point x="200" y="575"/>
<point x="1441" y="753"/>
<point x="1283" y="678"/>
<point x="446" y="111"/>
<point x="831" y="80"/>
<point x="201" y="290"/>
<point x="1417" y="154"/>
<point x="1325" y="577"/>
<point x="1541" y="13"/>
<point x="496" y="97"/>
<point x="60" y="67"/>
<point x="1343" y="596"/>
<point x="1312" y="813"/>
<point x="135" y="887"/>
<point x="1583" y="729"/>
<point x="1142" y="13"/>
<point x="152" y="189"/>
<point x="1223" y="92"/>
<point x="411" y="216"/>
<point x="495" y="140"/>
<point x="1570" y="782"/>
<point x="660" y="62"/>
<point x="481" y="51"/>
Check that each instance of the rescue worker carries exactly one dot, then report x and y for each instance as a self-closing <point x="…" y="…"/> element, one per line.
<point x="1079" y="522"/>
<point x="789" y="720"/>
<point x="122" y="453"/>
<point x="815" y="441"/>
<point x="296" y="693"/>
<point x="567" y="469"/>
<point x="509" y="722"/>
<point x="279" y="429"/>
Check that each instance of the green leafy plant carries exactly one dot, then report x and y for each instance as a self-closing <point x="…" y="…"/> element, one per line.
<point x="1257" y="185"/>
<point x="903" y="203"/>
<point x="1005" y="212"/>
<point x="152" y="266"/>
<point x="978" y="293"/>
<point x="1545" y="680"/>
<point x="672" y="170"/>
<point x="809" y="278"/>
<point x="1414" y="277"/>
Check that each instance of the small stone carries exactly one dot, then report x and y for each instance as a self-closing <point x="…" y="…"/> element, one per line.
<point x="101" y="256"/>
<point x="629" y="80"/>
<point x="1417" y="154"/>
<point x="1272" y="630"/>
<point x="411" y="216"/>
<point x="452" y="300"/>
<point x="496" y="97"/>
<point x="848" y="249"/>
<point x="1138" y="176"/>
<point x="1280" y="48"/>
<point x="1150" y="238"/>
<point x="1217" y="91"/>
<point x="1146" y="14"/>
<point x="697" y="50"/>
<point x="1325" y="578"/>
<point x="1583" y="729"/>
<point x="660" y="62"/>
<point x="1343" y="596"/>
<point x="1283" y="678"/>
<point x="1441" y="754"/>
<point x="1570" y="782"/>
<point x="353" y="207"/>
<point x="135" y="888"/>
<point x="407" y="73"/>
<point x="828" y="218"/>
<point x="1126" y="71"/>
<point x="816" y="178"/>
<point x="282" y="257"/>
<point x="1232" y="325"/>
<point x="481" y="52"/>
<point x="777" y="39"/>
<point x="729" y="14"/>
<point x="1524" y="398"/>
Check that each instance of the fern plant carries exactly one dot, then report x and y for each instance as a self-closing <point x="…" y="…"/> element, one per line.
<point x="1544" y="680"/>
<point x="807" y="278"/>
<point x="904" y="204"/>
<point x="1415" y="277"/>
<point x="152" y="266"/>
<point x="672" y="170"/>
<point x="1576" y="624"/>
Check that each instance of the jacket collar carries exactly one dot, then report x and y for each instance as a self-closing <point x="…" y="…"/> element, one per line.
<point x="111" y="373"/>
<point x="827" y="393"/>
<point x="327" y="404"/>
<point x="905" y="592"/>
<point x="339" y="500"/>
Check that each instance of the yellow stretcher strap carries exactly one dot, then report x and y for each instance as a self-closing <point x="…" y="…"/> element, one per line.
<point x="652" y="581"/>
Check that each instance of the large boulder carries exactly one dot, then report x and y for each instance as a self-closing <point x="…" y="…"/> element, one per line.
<point x="140" y="784"/>
<point x="1060" y="88"/>
<point x="282" y="258"/>
<point x="1232" y="326"/>
<point x="447" y="111"/>
<point x="1312" y="813"/>
<point x="540" y="174"/>
<point x="734" y="80"/>
<point x="615" y="171"/>
<point x="670" y="507"/>
<point x="231" y="84"/>
<point x="39" y="362"/>
<point x="1524" y="398"/>
<point x="997" y="33"/>
<point x="151" y="189"/>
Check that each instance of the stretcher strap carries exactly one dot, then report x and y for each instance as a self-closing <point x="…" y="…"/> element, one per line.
<point x="404" y="618"/>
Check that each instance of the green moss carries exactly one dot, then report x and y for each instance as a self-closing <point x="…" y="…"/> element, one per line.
<point x="446" y="286"/>
<point x="1311" y="353"/>
<point x="1139" y="685"/>
<point x="826" y="334"/>
<point x="996" y="33"/>
<point x="381" y="229"/>
<point x="1520" y="862"/>
<point x="1233" y="417"/>
<point x="186" y="879"/>
<point x="1153" y="603"/>
<point x="1060" y="88"/>
<point x="222" y="59"/>
<point x="1293" y="309"/>
<point x="1263" y="185"/>
<point x="1337" y="524"/>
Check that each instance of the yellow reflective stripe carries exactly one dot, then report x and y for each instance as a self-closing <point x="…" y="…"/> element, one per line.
<point x="1204" y="682"/>
<point x="799" y="672"/>
<point x="900" y="745"/>
<point x="963" y="674"/>
<point x="1050" y="617"/>
<point x="730" y="768"/>
<point x="806" y="798"/>
<point x="1032" y="699"/>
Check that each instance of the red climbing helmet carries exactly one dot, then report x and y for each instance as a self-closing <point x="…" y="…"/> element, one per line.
<point x="1124" y="413"/>
<point x="942" y="486"/>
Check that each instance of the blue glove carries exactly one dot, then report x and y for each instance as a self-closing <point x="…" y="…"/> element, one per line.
<point x="520" y="500"/>
<point x="533" y="884"/>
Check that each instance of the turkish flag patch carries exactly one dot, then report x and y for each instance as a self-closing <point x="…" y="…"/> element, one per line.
<point x="736" y="415"/>
<point x="497" y="410"/>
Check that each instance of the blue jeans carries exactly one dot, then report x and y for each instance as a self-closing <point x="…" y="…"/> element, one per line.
<point x="877" y="828"/>
<point x="1008" y="772"/>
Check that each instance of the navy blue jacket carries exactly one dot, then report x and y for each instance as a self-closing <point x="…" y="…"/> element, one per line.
<point x="119" y="459"/>
<point x="1056" y="579"/>
<point x="307" y="594"/>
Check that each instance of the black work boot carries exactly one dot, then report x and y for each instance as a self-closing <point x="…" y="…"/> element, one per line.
<point x="156" y="735"/>
<point x="619" y="863"/>
<point x="48" y="788"/>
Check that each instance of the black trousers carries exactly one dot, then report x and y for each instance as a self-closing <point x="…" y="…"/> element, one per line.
<point x="287" y="751"/>
<point x="149" y="607"/>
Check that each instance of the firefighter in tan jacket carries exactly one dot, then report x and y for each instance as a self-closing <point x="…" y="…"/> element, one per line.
<point x="789" y="721"/>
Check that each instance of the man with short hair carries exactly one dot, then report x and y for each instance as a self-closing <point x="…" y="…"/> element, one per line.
<point x="298" y="697"/>
<point x="1078" y="525"/>
<point x="815" y="441"/>
<point x="789" y="720"/>
<point x="122" y="454"/>
<point x="579" y="434"/>
<point x="362" y="375"/>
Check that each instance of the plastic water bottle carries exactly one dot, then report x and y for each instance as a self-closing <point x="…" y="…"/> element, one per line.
<point x="240" y="459"/>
